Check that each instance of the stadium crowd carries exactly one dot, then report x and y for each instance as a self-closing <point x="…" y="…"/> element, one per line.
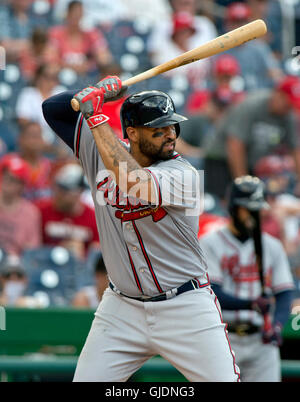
<point x="243" y="108"/>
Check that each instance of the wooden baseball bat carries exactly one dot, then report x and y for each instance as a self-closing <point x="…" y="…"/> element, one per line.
<point x="258" y="247"/>
<point x="236" y="37"/>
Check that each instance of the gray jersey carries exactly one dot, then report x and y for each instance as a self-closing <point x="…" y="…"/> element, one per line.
<point x="147" y="249"/>
<point x="232" y="265"/>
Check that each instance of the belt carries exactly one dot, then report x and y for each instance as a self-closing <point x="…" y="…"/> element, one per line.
<point x="190" y="285"/>
<point x="243" y="328"/>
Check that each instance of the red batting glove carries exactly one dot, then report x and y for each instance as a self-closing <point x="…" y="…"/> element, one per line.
<point x="113" y="88"/>
<point x="91" y="101"/>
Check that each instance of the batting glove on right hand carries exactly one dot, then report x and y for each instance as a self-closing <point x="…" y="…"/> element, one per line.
<point x="113" y="88"/>
<point x="91" y="101"/>
<point x="262" y="305"/>
<point x="273" y="336"/>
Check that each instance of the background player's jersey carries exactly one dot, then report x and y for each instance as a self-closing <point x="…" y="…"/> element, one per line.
<point x="232" y="265"/>
<point x="147" y="249"/>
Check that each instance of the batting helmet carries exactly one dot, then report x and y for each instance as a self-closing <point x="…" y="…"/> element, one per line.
<point x="149" y="109"/>
<point x="247" y="192"/>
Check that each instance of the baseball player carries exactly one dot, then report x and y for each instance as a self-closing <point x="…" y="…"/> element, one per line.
<point x="235" y="279"/>
<point x="159" y="299"/>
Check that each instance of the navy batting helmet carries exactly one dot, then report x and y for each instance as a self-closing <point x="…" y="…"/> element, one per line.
<point x="247" y="192"/>
<point x="149" y="109"/>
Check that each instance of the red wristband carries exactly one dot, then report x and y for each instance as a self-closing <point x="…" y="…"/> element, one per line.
<point x="95" y="121"/>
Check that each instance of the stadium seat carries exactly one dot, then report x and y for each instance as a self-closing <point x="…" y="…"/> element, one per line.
<point x="11" y="83"/>
<point x="128" y="44"/>
<point x="86" y="271"/>
<point x="52" y="273"/>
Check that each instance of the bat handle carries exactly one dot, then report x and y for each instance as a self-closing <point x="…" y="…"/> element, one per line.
<point x="75" y="105"/>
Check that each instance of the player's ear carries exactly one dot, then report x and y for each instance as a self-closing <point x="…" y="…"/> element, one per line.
<point x="132" y="134"/>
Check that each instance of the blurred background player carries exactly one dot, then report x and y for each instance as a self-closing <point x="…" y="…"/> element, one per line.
<point x="235" y="279"/>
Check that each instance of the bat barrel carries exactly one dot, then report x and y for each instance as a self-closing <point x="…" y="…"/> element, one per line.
<point x="237" y="37"/>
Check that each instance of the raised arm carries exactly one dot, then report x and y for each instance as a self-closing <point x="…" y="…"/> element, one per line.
<point x="60" y="116"/>
<point x="126" y="170"/>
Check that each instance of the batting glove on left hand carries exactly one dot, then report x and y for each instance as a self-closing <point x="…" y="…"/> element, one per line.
<point x="273" y="336"/>
<point x="113" y="87"/>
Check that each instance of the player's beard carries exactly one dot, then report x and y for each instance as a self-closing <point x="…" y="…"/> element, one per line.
<point x="245" y="229"/>
<point x="154" y="152"/>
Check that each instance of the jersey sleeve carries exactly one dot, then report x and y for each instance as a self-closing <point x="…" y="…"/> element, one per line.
<point x="60" y="116"/>
<point x="214" y="269"/>
<point x="282" y="278"/>
<point x="177" y="184"/>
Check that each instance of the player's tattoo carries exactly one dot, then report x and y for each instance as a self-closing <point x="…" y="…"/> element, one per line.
<point x="117" y="155"/>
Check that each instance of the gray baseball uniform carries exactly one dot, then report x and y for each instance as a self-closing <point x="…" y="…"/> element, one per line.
<point x="141" y="263"/>
<point x="232" y="265"/>
<point x="151" y="250"/>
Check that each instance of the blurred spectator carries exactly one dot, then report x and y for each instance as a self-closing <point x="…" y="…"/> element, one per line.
<point x="278" y="174"/>
<point x="66" y="220"/>
<point x="16" y="25"/>
<point x="90" y="296"/>
<point x="258" y="8"/>
<point x="30" y="99"/>
<point x="80" y="49"/>
<point x="225" y="74"/>
<point x="39" y="52"/>
<point x="13" y="281"/>
<point x="139" y="10"/>
<point x="259" y="67"/>
<point x="31" y="149"/>
<point x="96" y="12"/>
<point x="19" y="218"/>
<point x="162" y="33"/>
<point x="176" y="44"/>
<point x="263" y="124"/>
<point x="204" y="125"/>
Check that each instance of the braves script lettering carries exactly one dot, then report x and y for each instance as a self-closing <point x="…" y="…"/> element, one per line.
<point x="129" y="208"/>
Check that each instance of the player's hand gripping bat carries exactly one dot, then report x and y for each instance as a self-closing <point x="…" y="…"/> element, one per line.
<point x="237" y="37"/>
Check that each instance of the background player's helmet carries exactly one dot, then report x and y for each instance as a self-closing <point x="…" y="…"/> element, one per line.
<point x="149" y="109"/>
<point x="247" y="192"/>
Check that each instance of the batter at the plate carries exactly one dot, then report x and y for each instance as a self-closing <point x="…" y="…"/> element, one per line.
<point x="146" y="198"/>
